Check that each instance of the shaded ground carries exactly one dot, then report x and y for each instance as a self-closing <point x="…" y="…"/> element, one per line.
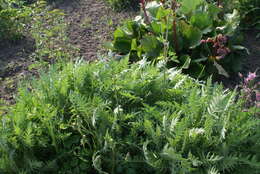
<point x="251" y="63"/>
<point x="14" y="62"/>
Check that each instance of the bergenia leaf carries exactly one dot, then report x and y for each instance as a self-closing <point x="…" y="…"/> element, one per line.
<point x="152" y="8"/>
<point x="232" y="22"/>
<point x="186" y="65"/>
<point x="221" y="70"/>
<point x="202" y="21"/>
<point x="192" y="35"/>
<point x="187" y="6"/>
<point x="240" y="47"/>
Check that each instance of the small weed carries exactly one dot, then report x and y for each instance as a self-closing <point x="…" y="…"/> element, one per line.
<point x="86" y="23"/>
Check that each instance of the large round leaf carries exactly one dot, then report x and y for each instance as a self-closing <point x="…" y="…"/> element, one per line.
<point x="151" y="46"/>
<point x="191" y="35"/>
<point x="187" y="6"/>
<point x="202" y="21"/>
<point x="122" y="45"/>
<point x="152" y="8"/>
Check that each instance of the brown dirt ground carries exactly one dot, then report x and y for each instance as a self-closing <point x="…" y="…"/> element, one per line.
<point x="14" y="62"/>
<point x="91" y="23"/>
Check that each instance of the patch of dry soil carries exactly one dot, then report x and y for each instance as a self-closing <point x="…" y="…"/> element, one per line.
<point x="91" y="23"/>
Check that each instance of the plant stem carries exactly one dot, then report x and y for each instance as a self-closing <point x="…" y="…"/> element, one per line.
<point x="145" y="13"/>
<point x="175" y="39"/>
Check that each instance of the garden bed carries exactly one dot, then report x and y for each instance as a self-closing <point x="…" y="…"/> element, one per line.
<point x="141" y="108"/>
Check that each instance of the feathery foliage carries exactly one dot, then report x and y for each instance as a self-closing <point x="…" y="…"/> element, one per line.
<point x="112" y="117"/>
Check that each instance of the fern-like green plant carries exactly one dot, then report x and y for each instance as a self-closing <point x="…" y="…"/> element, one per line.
<point x="112" y="117"/>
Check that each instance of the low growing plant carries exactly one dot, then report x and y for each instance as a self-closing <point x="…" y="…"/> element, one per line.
<point x="112" y="117"/>
<point x="120" y="5"/>
<point x="49" y="31"/>
<point x="13" y="19"/>
<point x="194" y="36"/>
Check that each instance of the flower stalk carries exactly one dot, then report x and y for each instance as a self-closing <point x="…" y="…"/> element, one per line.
<point x="145" y="12"/>
<point x="174" y="28"/>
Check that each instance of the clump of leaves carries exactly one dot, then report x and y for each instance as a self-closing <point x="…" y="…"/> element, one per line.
<point x="109" y="117"/>
<point x="120" y="5"/>
<point x="13" y="18"/>
<point x="49" y="31"/>
<point x="175" y="30"/>
<point x="249" y="11"/>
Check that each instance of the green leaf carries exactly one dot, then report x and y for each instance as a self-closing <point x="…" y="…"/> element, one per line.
<point x="221" y="70"/>
<point x="232" y="22"/>
<point x="122" y="45"/>
<point x="134" y="45"/>
<point x="108" y="45"/>
<point x="200" y="59"/>
<point x="213" y="10"/>
<point x="240" y="47"/>
<point x="187" y="6"/>
<point x="202" y="21"/>
<point x="192" y="35"/>
<point x="152" y="8"/>
<point x="156" y="27"/>
<point x="187" y="60"/>
<point x="151" y="46"/>
<point x="127" y="30"/>
<point x="163" y="13"/>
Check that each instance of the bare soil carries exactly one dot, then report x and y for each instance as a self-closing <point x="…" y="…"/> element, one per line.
<point x="91" y="24"/>
<point x="14" y="62"/>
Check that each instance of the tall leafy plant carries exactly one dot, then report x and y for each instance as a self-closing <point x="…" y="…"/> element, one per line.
<point x="13" y="17"/>
<point x="177" y="31"/>
<point x="249" y="11"/>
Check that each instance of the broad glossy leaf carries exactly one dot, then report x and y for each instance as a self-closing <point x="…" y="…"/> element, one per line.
<point x="127" y="30"/>
<point x="213" y="10"/>
<point x="187" y="6"/>
<point x="152" y="8"/>
<point x="187" y="61"/>
<point x="156" y="27"/>
<point x="134" y="45"/>
<point x="221" y="70"/>
<point x="151" y="46"/>
<point x="122" y="44"/>
<point x="119" y="33"/>
<point x="202" y="21"/>
<point x="192" y="35"/>
<point x="163" y="13"/>
<point x="240" y="47"/>
<point x="232" y="22"/>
